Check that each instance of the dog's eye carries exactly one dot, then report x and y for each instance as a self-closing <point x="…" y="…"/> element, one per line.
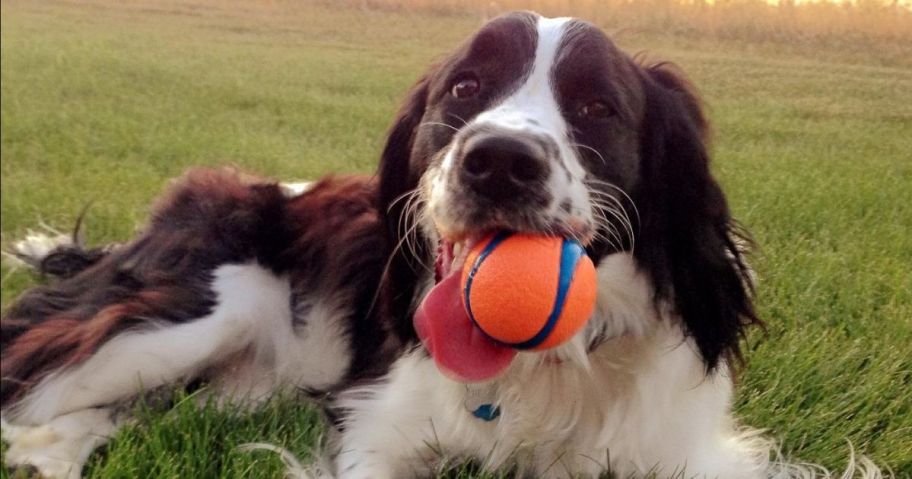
<point x="595" y="110"/>
<point x="465" y="87"/>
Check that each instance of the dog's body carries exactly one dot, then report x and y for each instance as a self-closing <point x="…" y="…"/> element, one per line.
<point x="251" y="287"/>
<point x="264" y="324"/>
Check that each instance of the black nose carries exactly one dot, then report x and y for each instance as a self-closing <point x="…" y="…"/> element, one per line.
<point x="500" y="167"/>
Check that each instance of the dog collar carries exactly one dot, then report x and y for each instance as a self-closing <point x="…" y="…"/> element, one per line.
<point x="481" y="401"/>
<point x="487" y="412"/>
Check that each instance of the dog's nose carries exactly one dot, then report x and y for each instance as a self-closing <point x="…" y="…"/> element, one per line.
<point x="499" y="167"/>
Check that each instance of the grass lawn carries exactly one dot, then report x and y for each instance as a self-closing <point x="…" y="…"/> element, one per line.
<point x="105" y="102"/>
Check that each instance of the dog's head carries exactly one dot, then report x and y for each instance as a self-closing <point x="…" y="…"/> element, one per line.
<point x="544" y="125"/>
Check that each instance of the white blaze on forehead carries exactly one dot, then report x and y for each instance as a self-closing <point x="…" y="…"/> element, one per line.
<point x="534" y="100"/>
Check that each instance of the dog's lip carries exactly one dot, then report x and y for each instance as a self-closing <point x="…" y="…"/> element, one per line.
<point x="453" y="249"/>
<point x="452" y="253"/>
<point x="456" y="242"/>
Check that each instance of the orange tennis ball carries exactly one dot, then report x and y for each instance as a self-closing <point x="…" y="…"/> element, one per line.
<point x="528" y="291"/>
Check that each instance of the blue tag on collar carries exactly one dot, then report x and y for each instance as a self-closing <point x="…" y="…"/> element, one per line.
<point x="487" y="412"/>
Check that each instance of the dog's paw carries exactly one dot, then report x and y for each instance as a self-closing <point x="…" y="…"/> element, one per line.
<point x="58" y="449"/>
<point x="29" y="450"/>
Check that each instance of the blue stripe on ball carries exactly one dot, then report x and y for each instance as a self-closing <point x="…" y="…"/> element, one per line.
<point x="495" y="242"/>
<point x="571" y="252"/>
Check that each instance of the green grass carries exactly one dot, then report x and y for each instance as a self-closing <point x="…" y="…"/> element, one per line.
<point x="104" y="102"/>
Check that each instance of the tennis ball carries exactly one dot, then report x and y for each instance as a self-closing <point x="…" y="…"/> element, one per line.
<point x="528" y="291"/>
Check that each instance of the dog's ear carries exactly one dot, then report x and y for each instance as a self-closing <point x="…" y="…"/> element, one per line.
<point x="689" y="244"/>
<point x="398" y="177"/>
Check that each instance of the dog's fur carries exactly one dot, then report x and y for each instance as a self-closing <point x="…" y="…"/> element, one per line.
<point x="250" y="287"/>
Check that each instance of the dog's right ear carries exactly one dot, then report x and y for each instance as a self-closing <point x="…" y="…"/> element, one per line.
<point x="399" y="177"/>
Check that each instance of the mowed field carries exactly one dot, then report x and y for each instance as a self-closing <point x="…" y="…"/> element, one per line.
<point x="104" y="102"/>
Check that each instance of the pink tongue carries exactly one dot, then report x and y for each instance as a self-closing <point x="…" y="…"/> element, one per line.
<point x="459" y="348"/>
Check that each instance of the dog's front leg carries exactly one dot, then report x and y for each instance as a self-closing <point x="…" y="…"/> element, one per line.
<point x="356" y="464"/>
<point x="382" y="453"/>
<point x="400" y="426"/>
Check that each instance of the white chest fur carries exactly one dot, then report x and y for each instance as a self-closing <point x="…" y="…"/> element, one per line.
<point x="640" y="401"/>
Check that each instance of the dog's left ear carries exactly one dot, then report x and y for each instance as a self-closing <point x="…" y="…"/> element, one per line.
<point x="398" y="178"/>
<point x="689" y="244"/>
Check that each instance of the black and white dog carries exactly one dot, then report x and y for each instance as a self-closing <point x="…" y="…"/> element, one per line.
<point x="251" y="287"/>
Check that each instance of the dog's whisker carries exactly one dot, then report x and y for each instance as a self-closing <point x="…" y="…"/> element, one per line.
<point x="464" y="122"/>
<point x="399" y="198"/>
<point x="437" y="123"/>
<point x="587" y="147"/>
<point x="599" y="198"/>
<point x="408" y="230"/>
<point x="612" y="237"/>
<point x="603" y="211"/>
<point x="621" y="217"/>
<point x="620" y="190"/>
<point x="389" y="262"/>
<point x="412" y="212"/>
<point x="402" y="224"/>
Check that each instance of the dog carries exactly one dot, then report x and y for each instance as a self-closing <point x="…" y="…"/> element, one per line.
<point x="247" y="287"/>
